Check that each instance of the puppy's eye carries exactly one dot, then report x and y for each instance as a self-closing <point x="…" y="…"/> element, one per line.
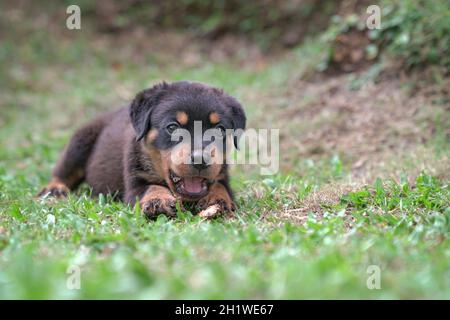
<point x="172" y="127"/>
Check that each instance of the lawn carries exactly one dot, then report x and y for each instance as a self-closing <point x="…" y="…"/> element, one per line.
<point x="335" y="219"/>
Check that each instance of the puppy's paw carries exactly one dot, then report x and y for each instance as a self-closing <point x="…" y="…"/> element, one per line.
<point x="225" y="205"/>
<point x="154" y="207"/>
<point x="54" y="189"/>
<point x="216" y="202"/>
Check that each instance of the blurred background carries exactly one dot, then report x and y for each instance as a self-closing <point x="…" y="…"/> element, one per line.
<point x="310" y="67"/>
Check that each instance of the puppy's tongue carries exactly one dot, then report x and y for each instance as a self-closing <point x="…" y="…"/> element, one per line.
<point x="193" y="185"/>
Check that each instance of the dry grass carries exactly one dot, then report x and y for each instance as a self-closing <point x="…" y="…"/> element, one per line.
<point x="316" y="202"/>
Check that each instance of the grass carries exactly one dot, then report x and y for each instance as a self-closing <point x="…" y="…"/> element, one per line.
<point x="401" y="229"/>
<point x="51" y="85"/>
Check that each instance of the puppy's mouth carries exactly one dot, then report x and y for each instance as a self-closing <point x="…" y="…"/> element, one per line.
<point x="191" y="187"/>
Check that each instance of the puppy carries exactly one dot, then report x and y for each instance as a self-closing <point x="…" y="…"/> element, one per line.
<point x="170" y="145"/>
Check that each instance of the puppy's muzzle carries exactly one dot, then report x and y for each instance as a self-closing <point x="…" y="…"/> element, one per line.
<point x="200" y="160"/>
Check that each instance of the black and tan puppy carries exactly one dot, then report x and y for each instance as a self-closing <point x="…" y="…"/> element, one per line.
<point x="132" y="153"/>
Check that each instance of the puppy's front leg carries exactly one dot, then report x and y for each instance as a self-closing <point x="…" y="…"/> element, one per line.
<point x="217" y="201"/>
<point x="153" y="200"/>
<point x="158" y="200"/>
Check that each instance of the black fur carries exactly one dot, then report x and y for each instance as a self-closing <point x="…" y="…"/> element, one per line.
<point x="117" y="153"/>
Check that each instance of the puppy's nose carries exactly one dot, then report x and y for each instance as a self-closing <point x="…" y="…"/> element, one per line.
<point x="198" y="161"/>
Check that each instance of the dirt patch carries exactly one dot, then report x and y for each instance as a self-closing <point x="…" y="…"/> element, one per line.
<point x="389" y="115"/>
<point x="349" y="52"/>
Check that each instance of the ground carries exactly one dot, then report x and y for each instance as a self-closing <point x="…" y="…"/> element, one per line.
<point x="363" y="177"/>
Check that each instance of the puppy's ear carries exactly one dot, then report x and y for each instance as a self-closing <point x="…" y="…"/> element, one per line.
<point x="142" y="106"/>
<point x="238" y="118"/>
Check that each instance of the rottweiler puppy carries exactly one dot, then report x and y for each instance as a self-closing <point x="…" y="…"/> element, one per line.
<point x="157" y="150"/>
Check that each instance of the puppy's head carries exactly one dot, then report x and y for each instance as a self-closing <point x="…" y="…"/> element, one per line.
<point x="186" y="128"/>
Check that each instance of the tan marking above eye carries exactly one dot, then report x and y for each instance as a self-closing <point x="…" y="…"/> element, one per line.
<point x="151" y="136"/>
<point x="214" y="118"/>
<point x="182" y="117"/>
